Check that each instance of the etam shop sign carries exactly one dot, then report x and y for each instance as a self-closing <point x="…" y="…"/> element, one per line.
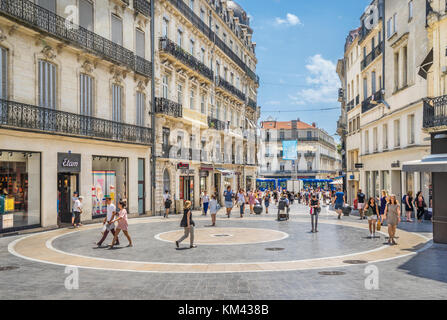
<point x="69" y="162"/>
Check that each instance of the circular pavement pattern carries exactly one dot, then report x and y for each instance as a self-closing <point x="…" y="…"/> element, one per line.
<point x="226" y="236"/>
<point x="46" y="247"/>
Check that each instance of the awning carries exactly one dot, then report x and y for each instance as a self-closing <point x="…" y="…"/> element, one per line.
<point x="225" y="172"/>
<point x="431" y="163"/>
<point x="338" y="182"/>
<point x="426" y="65"/>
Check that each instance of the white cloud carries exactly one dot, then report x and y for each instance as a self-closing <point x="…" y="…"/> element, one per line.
<point x="290" y="20"/>
<point x="323" y="83"/>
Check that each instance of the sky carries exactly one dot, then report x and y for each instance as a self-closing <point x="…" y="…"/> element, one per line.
<point x="298" y="44"/>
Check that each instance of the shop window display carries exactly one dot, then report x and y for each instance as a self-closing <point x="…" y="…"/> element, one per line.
<point x="109" y="176"/>
<point x="19" y="190"/>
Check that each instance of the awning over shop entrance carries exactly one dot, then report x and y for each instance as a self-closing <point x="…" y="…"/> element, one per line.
<point x="431" y="163"/>
<point x="426" y="65"/>
<point x="225" y="172"/>
<point x="337" y="182"/>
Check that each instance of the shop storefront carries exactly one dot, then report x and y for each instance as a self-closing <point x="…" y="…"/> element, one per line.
<point x="186" y="182"/>
<point x="248" y="183"/>
<point x="204" y="175"/>
<point x="68" y="170"/>
<point x="20" y="190"/>
<point x="110" y="177"/>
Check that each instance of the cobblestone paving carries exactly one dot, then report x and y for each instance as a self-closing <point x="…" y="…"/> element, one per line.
<point x="420" y="276"/>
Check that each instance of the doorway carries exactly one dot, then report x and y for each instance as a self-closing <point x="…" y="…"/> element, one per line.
<point x="187" y="189"/>
<point x="67" y="184"/>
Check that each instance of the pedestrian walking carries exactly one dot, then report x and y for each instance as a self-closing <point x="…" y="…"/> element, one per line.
<point x="267" y="200"/>
<point x="383" y="202"/>
<point x="123" y="224"/>
<point x="167" y="200"/>
<point x="205" y="203"/>
<point x="77" y="210"/>
<point x="420" y="206"/>
<point x="241" y="202"/>
<point x="409" y="209"/>
<point x="229" y="195"/>
<point x="392" y="216"/>
<point x="214" y="207"/>
<point x="251" y="202"/>
<point x="73" y="201"/>
<point x="109" y="227"/>
<point x="339" y="202"/>
<point x="372" y="214"/>
<point x="188" y="224"/>
<point x="361" y="203"/>
<point x="315" y="209"/>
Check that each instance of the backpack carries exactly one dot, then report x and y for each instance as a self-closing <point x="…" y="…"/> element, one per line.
<point x="404" y="198"/>
<point x="282" y="204"/>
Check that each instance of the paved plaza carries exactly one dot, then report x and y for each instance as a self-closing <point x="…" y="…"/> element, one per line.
<point x="255" y="257"/>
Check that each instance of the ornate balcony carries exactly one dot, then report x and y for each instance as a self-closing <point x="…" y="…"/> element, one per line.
<point x="20" y="116"/>
<point x="176" y="51"/>
<point x="168" y="107"/>
<point x="143" y="67"/>
<point x="377" y="51"/>
<point x="435" y="113"/>
<point x="143" y="7"/>
<point x="47" y="22"/>
<point x="227" y="86"/>
<point x="216" y="124"/>
<point x="186" y="11"/>
<point x="252" y="104"/>
<point x="372" y="101"/>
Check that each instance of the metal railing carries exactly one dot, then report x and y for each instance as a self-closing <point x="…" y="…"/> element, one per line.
<point x="143" y="7"/>
<point x="16" y="115"/>
<point x="168" y="46"/>
<point x="36" y="17"/>
<point x="377" y="51"/>
<point x="216" y="124"/>
<point x="168" y="107"/>
<point x="221" y="82"/>
<point x="435" y="112"/>
<point x="186" y="11"/>
<point x="372" y="101"/>
<point x="252" y="104"/>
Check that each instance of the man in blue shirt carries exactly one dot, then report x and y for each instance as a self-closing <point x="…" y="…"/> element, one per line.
<point x="339" y="201"/>
<point x="228" y="194"/>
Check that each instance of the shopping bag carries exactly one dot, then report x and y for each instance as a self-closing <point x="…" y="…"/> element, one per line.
<point x="379" y="225"/>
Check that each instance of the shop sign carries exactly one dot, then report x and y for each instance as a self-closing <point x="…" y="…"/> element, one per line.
<point x="204" y="173"/>
<point x="69" y="162"/>
<point x="206" y="169"/>
<point x="187" y="171"/>
<point x="183" y="166"/>
<point x="359" y="165"/>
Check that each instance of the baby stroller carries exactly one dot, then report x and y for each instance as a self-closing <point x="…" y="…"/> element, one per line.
<point x="283" y="210"/>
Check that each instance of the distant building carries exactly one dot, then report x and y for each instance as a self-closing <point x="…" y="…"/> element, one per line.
<point x="317" y="156"/>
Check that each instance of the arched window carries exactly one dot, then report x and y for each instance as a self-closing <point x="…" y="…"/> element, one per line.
<point x="166" y="181"/>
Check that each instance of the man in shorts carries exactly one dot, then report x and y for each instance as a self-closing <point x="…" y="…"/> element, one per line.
<point x="361" y="203"/>
<point x="229" y="195"/>
<point x="339" y="201"/>
<point x="111" y="212"/>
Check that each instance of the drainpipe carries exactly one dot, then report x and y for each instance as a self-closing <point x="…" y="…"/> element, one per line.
<point x="383" y="46"/>
<point x="153" y="156"/>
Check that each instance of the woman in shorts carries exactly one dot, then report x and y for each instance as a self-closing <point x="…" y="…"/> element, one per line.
<point x="372" y="214"/>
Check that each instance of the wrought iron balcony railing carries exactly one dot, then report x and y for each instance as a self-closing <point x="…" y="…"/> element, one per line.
<point x="372" y="101"/>
<point x="176" y="51"/>
<point x="216" y="124"/>
<point x="43" y="20"/>
<point x="186" y="11"/>
<point x="143" y="7"/>
<point x="227" y="86"/>
<point x="377" y="51"/>
<point x="20" y="116"/>
<point x="252" y="104"/>
<point x="435" y="112"/>
<point x="350" y="105"/>
<point x="309" y="154"/>
<point x="168" y="107"/>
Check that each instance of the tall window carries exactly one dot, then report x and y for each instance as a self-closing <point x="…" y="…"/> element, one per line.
<point x="191" y="47"/>
<point x="191" y="100"/>
<point x="373" y="82"/>
<point x="191" y="4"/>
<point x="117" y="98"/>
<point x="396" y="71"/>
<point x="410" y="10"/>
<point x="202" y="15"/>
<point x="366" y="141"/>
<point x="405" y="66"/>
<point x="411" y="129"/>
<point x="180" y="94"/>
<point x="375" y="140"/>
<point x="117" y="30"/>
<point x="165" y="92"/>
<point x="217" y="68"/>
<point x="396" y="133"/>
<point x="202" y="55"/>
<point x="47" y="84"/>
<point x="48" y="4"/>
<point x="86" y="14"/>
<point x="165" y="28"/>
<point x="140" y="43"/>
<point x="218" y="110"/>
<point x="86" y="95"/>
<point x="365" y="88"/>
<point x="202" y="104"/>
<point x="3" y="73"/>
<point x="179" y="38"/>
<point x="141" y="97"/>
<point x="385" y="137"/>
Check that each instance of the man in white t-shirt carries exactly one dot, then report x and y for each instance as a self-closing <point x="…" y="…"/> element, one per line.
<point x="111" y="212"/>
<point x="77" y="210"/>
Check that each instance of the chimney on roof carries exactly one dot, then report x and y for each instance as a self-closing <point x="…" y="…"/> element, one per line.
<point x="314" y="124"/>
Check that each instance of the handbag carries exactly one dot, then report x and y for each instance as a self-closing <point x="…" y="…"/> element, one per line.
<point x="379" y="225"/>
